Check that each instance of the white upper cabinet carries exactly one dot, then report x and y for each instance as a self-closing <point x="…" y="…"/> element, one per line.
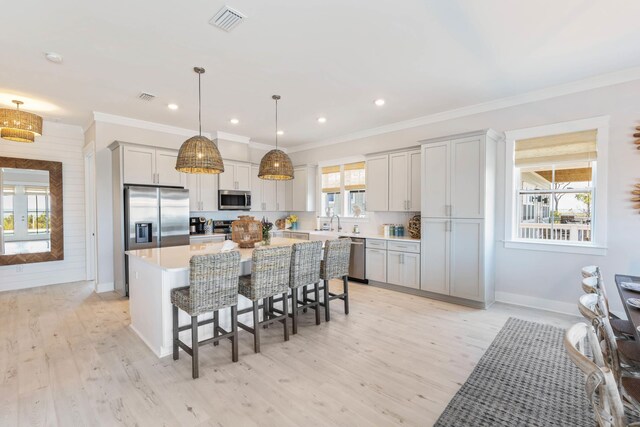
<point x="284" y="197"/>
<point x="151" y="166"/>
<point x="139" y="165"/>
<point x="377" y="176"/>
<point x="415" y="180"/>
<point x="269" y="196"/>
<point x="435" y="185"/>
<point x="304" y="189"/>
<point x="166" y="169"/>
<point x="256" y="191"/>
<point x="404" y="181"/>
<point x="398" y="185"/>
<point x="467" y="178"/>
<point x="454" y="178"/>
<point x="203" y="192"/>
<point x="236" y="176"/>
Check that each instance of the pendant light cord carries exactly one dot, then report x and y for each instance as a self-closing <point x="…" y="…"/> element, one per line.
<point x="199" y="105"/>
<point x="276" y="123"/>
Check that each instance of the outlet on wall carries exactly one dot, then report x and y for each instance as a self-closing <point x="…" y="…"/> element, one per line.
<point x="19" y="268"/>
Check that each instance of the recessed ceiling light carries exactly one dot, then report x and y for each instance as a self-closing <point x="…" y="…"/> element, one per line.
<point x="172" y="106"/>
<point x="322" y="120"/>
<point x="56" y="58"/>
<point x="280" y="132"/>
<point x="379" y="102"/>
<point x="234" y="121"/>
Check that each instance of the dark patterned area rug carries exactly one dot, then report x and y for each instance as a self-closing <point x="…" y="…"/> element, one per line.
<point x="524" y="379"/>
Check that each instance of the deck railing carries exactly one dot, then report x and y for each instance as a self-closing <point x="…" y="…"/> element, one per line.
<point x="565" y="232"/>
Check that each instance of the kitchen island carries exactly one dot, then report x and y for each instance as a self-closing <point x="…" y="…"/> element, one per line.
<point x="152" y="275"/>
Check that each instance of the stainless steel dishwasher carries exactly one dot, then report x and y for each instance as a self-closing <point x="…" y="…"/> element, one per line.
<point x="357" y="260"/>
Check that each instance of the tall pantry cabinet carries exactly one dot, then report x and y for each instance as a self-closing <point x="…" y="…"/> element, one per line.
<point x="458" y="215"/>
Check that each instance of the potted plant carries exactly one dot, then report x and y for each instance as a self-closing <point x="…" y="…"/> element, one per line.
<point x="266" y="231"/>
<point x="293" y="220"/>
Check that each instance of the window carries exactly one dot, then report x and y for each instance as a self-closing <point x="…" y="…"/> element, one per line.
<point x="8" y="195"/>
<point x="344" y="190"/>
<point x="554" y="177"/>
<point x="38" y="214"/>
<point x="331" y="184"/>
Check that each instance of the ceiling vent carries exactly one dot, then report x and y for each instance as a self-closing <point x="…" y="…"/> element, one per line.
<point x="146" y="96"/>
<point x="227" y="19"/>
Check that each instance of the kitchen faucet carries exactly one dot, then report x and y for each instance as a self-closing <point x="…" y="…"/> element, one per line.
<point x="331" y="223"/>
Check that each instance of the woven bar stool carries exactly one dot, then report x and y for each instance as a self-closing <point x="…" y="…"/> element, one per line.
<point x="269" y="277"/>
<point x="305" y="270"/>
<point x="213" y="285"/>
<point x="335" y="265"/>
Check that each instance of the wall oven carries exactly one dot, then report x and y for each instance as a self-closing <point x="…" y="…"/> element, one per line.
<point x="231" y="200"/>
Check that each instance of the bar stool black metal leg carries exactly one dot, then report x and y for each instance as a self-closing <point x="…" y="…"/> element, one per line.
<point x="256" y="327"/>
<point x="215" y="327"/>
<point x="176" y="351"/>
<point x="194" y="347"/>
<point x="345" y="281"/>
<point x="285" y="312"/>
<point x="304" y="298"/>
<point x="265" y="311"/>
<point x="234" y="330"/>
<point x="294" y="310"/>
<point x="316" y="294"/>
<point x="327" y="311"/>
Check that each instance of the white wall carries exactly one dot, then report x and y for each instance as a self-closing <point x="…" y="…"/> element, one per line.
<point x="544" y="279"/>
<point x="60" y="143"/>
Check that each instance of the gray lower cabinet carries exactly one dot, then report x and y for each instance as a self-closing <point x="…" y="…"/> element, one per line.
<point x="403" y="269"/>
<point x="376" y="264"/>
<point x="394" y="262"/>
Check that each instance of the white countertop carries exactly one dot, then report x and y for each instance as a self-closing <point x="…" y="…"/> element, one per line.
<point x="336" y="234"/>
<point x="177" y="257"/>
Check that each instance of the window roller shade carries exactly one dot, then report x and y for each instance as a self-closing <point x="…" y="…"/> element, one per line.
<point x="568" y="147"/>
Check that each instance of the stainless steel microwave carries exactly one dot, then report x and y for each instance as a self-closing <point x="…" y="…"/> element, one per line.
<point x="233" y="200"/>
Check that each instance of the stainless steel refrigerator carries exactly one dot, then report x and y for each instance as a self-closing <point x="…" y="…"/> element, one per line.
<point x="154" y="217"/>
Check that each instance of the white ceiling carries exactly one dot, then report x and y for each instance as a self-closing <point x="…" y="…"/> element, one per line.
<point x="328" y="58"/>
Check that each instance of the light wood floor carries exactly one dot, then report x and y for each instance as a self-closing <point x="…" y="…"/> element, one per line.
<point x="68" y="358"/>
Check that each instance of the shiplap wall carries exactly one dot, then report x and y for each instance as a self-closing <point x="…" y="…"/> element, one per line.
<point x="60" y="143"/>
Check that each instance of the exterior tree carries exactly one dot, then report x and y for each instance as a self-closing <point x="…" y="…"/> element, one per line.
<point x="586" y="199"/>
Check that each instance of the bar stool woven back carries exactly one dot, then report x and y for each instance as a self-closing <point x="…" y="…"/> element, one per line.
<point x="213" y="284"/>
<point x="305" y="264"/>
<point x="335" y="264"/>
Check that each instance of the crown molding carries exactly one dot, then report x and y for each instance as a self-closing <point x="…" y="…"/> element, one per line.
<point x="266" y="147"/>
<point x="231" y="137"/>
<point x="143" y="124"/>
<point x="590" y="83"/>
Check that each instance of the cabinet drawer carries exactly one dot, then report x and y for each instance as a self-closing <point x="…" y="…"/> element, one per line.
<point x="404" y="246"/>
<point x="376" y="243"/>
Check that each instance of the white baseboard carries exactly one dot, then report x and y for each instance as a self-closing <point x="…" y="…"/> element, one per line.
<point x="105" y="287"/>
<point x="539" y="303"/>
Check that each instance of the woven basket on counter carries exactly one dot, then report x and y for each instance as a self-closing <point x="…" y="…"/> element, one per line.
<point x="414" y="227"/>
<point x="246" y="231"/>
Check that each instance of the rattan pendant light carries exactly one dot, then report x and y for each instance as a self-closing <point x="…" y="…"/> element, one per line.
<point x="199" y="154"/>
<point x="276" y="164"/>
<point x="19" y="126"/>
